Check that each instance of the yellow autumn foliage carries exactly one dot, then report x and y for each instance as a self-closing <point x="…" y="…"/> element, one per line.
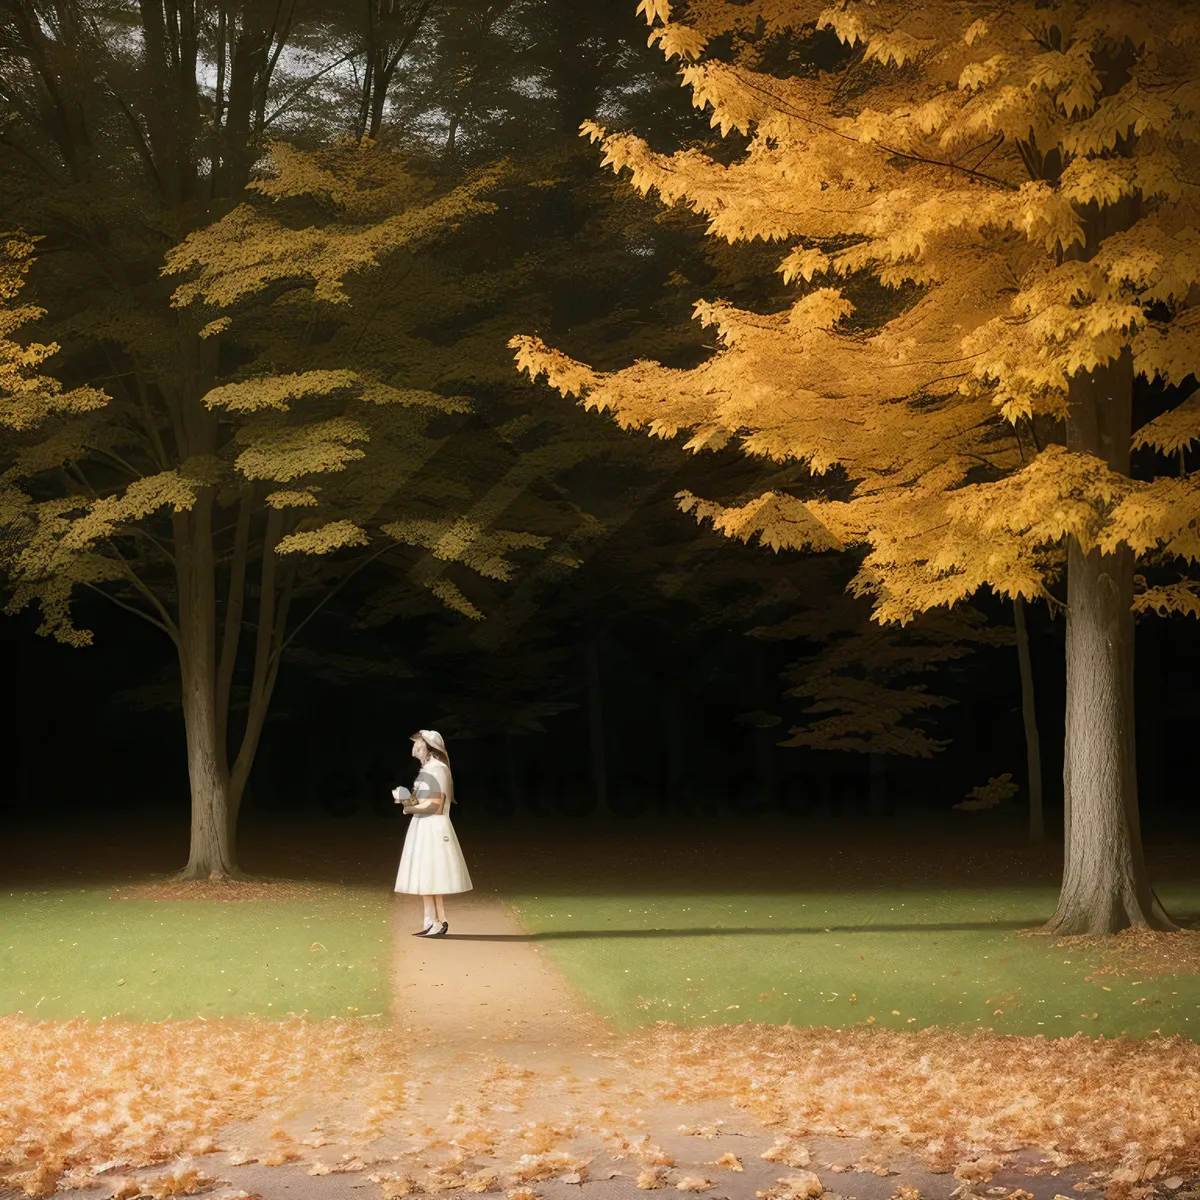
<point x="961" y="154"/>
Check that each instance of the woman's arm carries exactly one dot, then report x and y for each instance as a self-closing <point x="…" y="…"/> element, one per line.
<point x="430" y="803"/>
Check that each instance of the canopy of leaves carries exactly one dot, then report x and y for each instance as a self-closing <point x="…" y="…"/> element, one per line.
<point x="1025" y="180"/>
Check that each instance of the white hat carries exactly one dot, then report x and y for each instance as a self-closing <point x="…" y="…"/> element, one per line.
<point x="432" y="739"/>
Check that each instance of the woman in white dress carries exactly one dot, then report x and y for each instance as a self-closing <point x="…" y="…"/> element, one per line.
<point x="431" y="864"/>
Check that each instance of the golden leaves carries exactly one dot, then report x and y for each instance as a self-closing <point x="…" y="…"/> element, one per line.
<point x="530" y="1168"/>
<point x="248" y="251"/>
<point x="654" y="10"/>
<point x="461" y="540"/>
<point x="886" y="46"/>
<point x="562" y="373"/>
<point x="277" y="391"/>
<point x="324" y="539"/>
<point x="678" y="41"/>
<point x="80" y="1092"/>
<point x="304" y="498"/>
<point x="1163" y="513"/>
<point x="1059" y="494"/>
<point x="803" y="1185"/>
<point x="779" y="521"/>
<point x="988" y="795"/>
<point x="282" y="452"/>
<point x="451" y="595"/>
<point x="1181" y="598"/>
<point x="789" y="1153"/>
<point x="923" y="181"/>
<point x="28" y="399"/>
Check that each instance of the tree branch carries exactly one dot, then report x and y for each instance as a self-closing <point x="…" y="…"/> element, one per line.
<point x="300" y="88"/>
<point x="327" y="597"/>
<point x="893" y="151"/>
<point x="170" y="631"/>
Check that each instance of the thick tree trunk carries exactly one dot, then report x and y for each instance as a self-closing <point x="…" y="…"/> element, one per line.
<point x="1033" y="746"/>
<point x="1105" y="887"/>
<point x="211" y="852"/>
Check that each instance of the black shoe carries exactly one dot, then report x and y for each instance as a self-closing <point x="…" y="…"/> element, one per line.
<point x="423" y="932"/>
<point x="439" y="932"/>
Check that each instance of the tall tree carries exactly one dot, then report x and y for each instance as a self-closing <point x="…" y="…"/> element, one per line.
<point x="194" y="494"/>
<point x="1021" y="176"/>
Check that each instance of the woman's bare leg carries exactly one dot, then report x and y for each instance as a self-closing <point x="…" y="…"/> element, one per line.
<point x="441" y="908"/>
<point x="430" y="910"/>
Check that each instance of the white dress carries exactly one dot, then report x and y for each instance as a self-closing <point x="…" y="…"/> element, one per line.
<point x="432" y="863"/>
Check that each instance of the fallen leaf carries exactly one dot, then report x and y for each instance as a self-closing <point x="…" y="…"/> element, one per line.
<point x="789" y="1153"/>
<point x="803" y="1186"/>
<point x="402" y="1185"/>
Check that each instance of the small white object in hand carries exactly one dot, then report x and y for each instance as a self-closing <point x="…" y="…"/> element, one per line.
<point x="401" y="794"/>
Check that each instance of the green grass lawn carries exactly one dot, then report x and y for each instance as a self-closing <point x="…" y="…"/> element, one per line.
<point x="67" y="953"/>
<point x="909" y="958"/>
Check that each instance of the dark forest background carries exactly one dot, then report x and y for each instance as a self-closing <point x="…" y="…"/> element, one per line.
<point x="630" y="685"/>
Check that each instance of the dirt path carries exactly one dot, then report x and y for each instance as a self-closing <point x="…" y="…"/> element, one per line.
<point x="486" y="981"/>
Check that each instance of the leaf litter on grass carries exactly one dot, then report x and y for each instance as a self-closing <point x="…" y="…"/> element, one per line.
<point x="223" y="890"/>
<point x="124" y="1094"/>
<point x="951" y="1097"/>
<point x="81" y="1094"/>
<point x="1148" y="953"/>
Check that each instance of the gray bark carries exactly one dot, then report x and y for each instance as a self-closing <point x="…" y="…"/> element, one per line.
<point x="211" y="851"/>
<point x="1106" y="887"/>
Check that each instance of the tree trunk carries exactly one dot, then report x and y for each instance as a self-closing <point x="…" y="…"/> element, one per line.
<point x="1105" y="887"/>
<point x="272" y="622"/>
<point x="1033" y="746"/>
<point x="211" y="852"/>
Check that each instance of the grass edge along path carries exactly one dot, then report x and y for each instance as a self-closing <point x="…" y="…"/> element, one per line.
<point x="96" y="952"/>
<point x="951" y="958"/>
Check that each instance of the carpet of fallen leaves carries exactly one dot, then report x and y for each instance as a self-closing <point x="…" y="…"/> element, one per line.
<point x="221" y="889"/>
<point x="81" y="1097"/>
<point x="1132" y="1104"/>
<point x="78" y="1094"/>
<point x="1144" y="952"/>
